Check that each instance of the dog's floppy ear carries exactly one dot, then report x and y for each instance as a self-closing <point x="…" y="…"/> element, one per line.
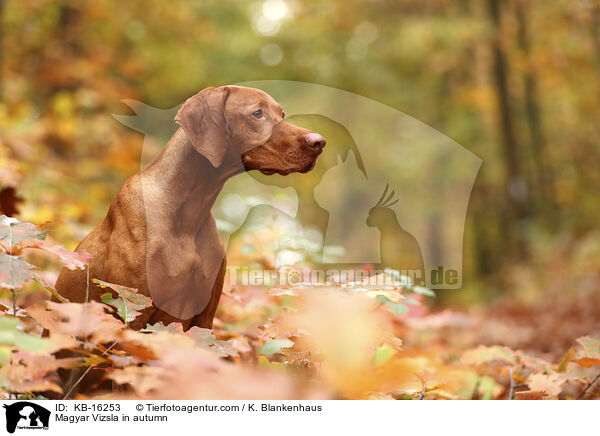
<point x="204" y="121"/>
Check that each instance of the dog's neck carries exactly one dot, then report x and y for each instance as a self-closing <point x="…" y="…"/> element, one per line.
<point x="184" y="253"/>
<point x="186" y="180"/>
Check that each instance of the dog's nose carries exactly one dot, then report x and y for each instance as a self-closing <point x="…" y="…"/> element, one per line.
<point x="315" y="140"/>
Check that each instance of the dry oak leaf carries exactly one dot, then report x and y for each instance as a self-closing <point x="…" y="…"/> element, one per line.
<point x="71" y="259"/>
<point x="205" y="338"/>
<point x="156" y="345"/>
<point x="14" y="271"/>
<point x="13" y="231"/>
<point x="550" y="384"/>
<point x="58" y="341"/>
<point x="504" y="355"/>
<point x="89" y="320"/>
<point x="28" y="365"/>
<point x="199" y="374"/>
<point x="143" y="379"/>
<point x="37" y="385"/>
<point x="28" y="371"/>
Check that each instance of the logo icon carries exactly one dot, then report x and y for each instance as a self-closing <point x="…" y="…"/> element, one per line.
<point x="26" y="415"/>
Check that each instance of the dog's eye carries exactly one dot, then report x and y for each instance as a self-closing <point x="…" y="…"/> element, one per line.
<point x="257" y="113"/>
<point x="282" y="114"/>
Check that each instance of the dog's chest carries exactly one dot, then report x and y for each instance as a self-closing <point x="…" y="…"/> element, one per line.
<point x="181" y="270"/>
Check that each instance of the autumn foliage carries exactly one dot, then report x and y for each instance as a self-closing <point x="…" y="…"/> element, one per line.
<point x="358" y="340"/>
<point x="515" y="82"/>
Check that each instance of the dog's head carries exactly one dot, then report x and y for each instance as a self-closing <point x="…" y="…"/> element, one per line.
<point x="234" y="123"/>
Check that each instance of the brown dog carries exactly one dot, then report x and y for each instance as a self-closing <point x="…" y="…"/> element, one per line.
<point x="159" y="235"/>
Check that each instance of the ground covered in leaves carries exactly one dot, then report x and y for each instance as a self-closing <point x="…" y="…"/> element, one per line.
<point x="378" y="338"/>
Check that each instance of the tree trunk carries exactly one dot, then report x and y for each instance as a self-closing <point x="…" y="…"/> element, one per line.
<point x="537" y="138"/>
<point x="516" y="185"/>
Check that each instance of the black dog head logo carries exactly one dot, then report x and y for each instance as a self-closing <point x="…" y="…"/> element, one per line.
<point x="26" y="414"/>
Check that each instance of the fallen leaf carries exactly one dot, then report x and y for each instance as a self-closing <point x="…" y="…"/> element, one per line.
<point x="88" y="320"/>
<point x="129" y="301"/>
<point x="273" y="347"/>
<point x="550" y="385"/>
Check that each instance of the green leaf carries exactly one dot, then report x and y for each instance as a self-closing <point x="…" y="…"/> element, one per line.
<point x="274" y="347"/>
<point x="397" y="308"/>
<point x="486" y="387"/>
<point x="129" y="301"/>
<point x="119" y="304"/>
<point x="14" y="271"/>
<point x="11" y="335"/>
<point x="383" y="354"/>
<point x="14" y="231"/>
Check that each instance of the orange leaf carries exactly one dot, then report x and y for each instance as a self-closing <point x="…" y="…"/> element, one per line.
<point x="587" y="362"/>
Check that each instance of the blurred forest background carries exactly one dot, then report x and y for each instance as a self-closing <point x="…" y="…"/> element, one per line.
<point x="516" y="82"/>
